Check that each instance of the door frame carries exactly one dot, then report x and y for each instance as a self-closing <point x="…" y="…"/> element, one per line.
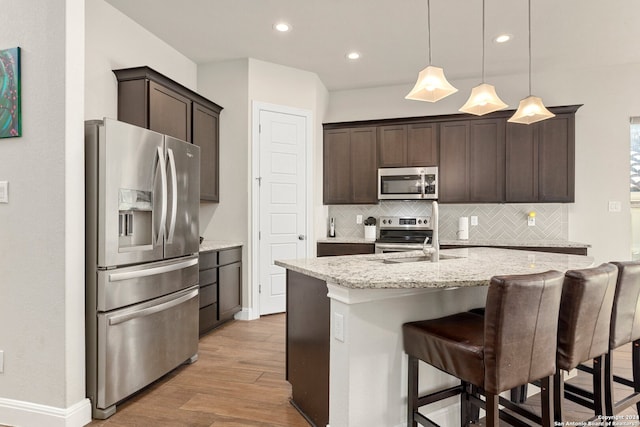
<point x="256" y="107"/>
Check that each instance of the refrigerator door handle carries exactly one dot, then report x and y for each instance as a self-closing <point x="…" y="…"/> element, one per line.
<point x="116" y="277"/>
<point x="174" y="198"/>
<point x="115" y="320"/>
<point x="163" y="195"/>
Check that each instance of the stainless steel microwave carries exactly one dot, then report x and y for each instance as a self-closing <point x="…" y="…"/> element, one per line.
<point x="408" y="183"/>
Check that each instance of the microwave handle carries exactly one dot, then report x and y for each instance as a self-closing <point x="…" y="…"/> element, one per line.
<point x="424" y="193"/>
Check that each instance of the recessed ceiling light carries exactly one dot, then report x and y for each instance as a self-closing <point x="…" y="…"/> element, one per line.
<point x="353" y="55"/>
<point x="283" y="27"/>
<point x="502" y="38"/>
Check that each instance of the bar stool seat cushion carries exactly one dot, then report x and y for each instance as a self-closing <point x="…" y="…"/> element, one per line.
<point x="453" y="344"/>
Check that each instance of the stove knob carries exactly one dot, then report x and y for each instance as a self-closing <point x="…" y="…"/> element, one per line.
<point x="419" y="221"/>
<point x="384" y="221"/>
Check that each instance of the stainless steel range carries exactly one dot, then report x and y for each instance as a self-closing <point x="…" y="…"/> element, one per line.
<point x="398" y="234"/>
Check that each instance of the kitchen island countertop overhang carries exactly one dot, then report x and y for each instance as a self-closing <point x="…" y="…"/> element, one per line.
<point x="345" y="357"/>
<point x="459" y="267"/>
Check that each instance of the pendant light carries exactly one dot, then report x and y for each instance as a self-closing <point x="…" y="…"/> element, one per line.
<point x="431" y="85"/>
<point x="483" y="99"/>
<point x="531" y="109"/>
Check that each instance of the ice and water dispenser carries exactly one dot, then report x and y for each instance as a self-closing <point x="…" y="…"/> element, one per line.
<point x="135" y="218"/>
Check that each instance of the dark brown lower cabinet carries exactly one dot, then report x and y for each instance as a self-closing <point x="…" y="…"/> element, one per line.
<point x="220" y="287"/>
<point x="333" y="249"/>
<point x="308" y="340"/>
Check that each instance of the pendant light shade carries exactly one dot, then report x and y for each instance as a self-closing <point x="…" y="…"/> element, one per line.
<point x="431" y="86"/>
<point x="531" y="110"/>
<point x="483" y="100"/>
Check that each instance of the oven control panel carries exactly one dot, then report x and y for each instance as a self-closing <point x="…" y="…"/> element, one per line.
<point x="402" y="222"/>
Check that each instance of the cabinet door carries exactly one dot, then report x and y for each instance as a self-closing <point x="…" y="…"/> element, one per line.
<point x="556" y="159"/>
<point x="521" y="163"/>
<point x="454" y="162"/>
<point x="392" y="146"/>
<point x="486" y="160"/>
<point x="169" y="112"/>
<point x="205" y="135"/>
<point x="229" y="290"/>
<point x="337" y="167"/>
<point x="422" y="144"/>
<point x="364" y="173"/>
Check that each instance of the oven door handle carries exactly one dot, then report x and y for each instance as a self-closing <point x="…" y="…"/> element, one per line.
<point x="400" y="246"/>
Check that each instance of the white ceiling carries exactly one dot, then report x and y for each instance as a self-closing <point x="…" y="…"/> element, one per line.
<point x="392" y="35"/>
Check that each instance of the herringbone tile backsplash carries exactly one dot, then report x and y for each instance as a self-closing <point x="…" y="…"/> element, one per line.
<point x="495" y="221"/>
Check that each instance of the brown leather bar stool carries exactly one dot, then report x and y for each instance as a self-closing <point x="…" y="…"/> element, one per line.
<point x="625" y="329"/>
<point x="583" y="326"/>
<point x="513" y="344"/>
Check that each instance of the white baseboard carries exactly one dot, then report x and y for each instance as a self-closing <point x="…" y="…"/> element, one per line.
<point x="26" y="414"/>
<point x="246" y="314"/>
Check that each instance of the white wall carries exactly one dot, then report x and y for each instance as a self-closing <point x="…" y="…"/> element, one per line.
<point x="602" y="138"/>
<point x="227" y="83"/>
<point x="235" y="85"/>
<point x="114" y="41"/>
<point x="42" y="227"/>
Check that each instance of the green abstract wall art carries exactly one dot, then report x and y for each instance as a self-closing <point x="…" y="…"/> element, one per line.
<point x="10" y="119"/>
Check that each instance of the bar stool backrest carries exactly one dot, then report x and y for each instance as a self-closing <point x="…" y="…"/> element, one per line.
<point x="521" y="320"/>
<point x="625" y="318"/>
<point x="585" y="314"/>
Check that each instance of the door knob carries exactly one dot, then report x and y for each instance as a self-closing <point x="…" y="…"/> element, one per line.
<point x="301" y="237"/>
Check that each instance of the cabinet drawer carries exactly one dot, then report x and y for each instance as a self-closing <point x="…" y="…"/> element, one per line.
<point x="229" y="256"/>
<point x="208" y="277"/>
<point x="208" y="259"/>
<point x="208" y="318"/>
<point x="208" y="295"/>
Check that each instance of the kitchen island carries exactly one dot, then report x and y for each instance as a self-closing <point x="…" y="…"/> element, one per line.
<point x="345" y="357"/>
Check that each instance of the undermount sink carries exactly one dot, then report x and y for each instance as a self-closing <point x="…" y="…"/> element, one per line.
<point x="420" y="258"/>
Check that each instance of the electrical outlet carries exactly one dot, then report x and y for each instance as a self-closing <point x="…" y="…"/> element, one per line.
<point x="358" y="219"/>
<point x="338" y="326"/>
<point x="474" y="220"/>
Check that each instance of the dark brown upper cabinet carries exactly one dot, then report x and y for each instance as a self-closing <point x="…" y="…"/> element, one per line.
<point x="151" y="100"/>
<point x="541" y="161"/>
<point x="408" y="145"/>
<point x="350" y="166"/>
<point x="472" y="161"/>
<point x="480" y="159"/>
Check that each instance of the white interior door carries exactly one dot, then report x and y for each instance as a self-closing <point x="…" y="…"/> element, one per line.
<point x="283" y="224"/>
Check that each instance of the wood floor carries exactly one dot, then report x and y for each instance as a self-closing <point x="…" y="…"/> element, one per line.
<point x="238" y="380"/>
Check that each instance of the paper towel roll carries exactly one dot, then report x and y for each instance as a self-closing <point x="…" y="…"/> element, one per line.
<point x="463" y="228"/>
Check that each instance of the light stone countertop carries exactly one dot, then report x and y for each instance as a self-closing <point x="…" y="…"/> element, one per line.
<point x="489" y="242"/>
<point x="474" y="267"/>
<point x="217" y="245"/>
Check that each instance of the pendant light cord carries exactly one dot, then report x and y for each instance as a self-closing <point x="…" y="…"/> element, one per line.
<point x="483" y="41"/>
<point x="529" y="47"/>
<point x="429" y="29"/>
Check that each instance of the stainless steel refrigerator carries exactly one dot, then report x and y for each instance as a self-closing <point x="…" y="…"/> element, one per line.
<point x="142" y="234"/>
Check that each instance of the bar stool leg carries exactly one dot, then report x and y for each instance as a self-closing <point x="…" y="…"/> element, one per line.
<point x="493" y="412"/>
<point x="547" y="394"/>
<point x="558" y="395"/>
<point x="599" y="385"/>
<point x="635" y="356"/>
<point x="412" y="391"/>
<point x="609" y="402"/>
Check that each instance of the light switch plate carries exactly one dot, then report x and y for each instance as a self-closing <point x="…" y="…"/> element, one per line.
<point x="615" y="206"/>
<point x="1" y="361"/>
<point x="4" y="191"/>
<point x="474" y="220"/>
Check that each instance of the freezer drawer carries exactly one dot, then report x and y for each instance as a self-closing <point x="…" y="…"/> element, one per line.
<point x="131" y="285"/>
<point x="141" y="343"/>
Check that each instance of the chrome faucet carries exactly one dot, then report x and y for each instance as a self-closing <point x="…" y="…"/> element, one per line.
<point x="433" y="249"/>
